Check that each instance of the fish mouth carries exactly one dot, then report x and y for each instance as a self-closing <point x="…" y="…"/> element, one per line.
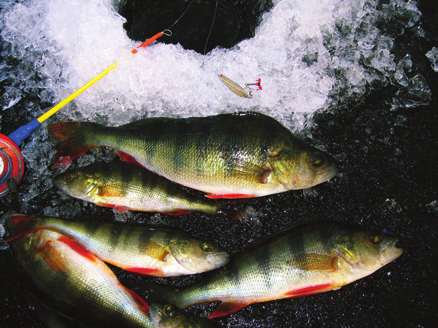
<point x="154" y="312"/>
<point x="219" y="259"/>
<point x="59" y="182"/>
<point x="62" y="185"/>
<point x="390" y="252"/>
<point x="329" y="173"/>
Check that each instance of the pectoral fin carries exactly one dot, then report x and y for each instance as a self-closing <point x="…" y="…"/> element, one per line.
<point x="154" y="250"/>
<point x="112" y="190"/>
<point x="251" y="171"/>
<point x="226" y="309"/>
<point x="313" y="261"/>
<point x="52" y="257"/>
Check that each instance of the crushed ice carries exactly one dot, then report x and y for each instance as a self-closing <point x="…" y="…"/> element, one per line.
<point x="433" y="57"/>
<point x="311" y="55"/>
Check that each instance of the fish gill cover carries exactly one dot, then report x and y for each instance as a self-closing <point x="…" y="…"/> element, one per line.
<point x="353" y="77"/>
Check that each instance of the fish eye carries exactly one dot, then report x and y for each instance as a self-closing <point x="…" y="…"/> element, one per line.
<point x="207" y="247"/>
<point x="169" y="311"/>
<point x="317" y="159"/>
<point x="69" y="177"/>
<point x="376" y="238"/>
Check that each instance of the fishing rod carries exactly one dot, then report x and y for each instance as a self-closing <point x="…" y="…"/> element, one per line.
<point x="11" y="159"/>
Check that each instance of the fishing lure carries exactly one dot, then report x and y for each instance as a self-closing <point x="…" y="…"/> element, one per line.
<point x="237" y="89"/>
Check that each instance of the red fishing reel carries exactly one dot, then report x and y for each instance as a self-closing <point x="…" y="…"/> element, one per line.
<point x="11" y="166"/>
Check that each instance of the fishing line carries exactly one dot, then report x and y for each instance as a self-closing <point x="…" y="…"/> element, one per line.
<point x="211" y="28"/>
<point x="181" y="15"/>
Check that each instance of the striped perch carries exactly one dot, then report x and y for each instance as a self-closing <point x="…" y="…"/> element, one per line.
<point x="298" y="262"/>
<point x="138" y="248"/>
<point x="67" y="279"/>
<point x="227" y="156"/>
<point x="127" y="186"/>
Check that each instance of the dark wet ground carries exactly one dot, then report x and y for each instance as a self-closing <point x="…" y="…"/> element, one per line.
<point x="388" y="163"/>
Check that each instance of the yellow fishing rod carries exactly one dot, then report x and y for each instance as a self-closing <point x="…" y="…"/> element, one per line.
<point x="11" y="160"/>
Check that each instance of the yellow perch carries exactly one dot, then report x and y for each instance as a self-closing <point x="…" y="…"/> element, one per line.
<point x="138" y="248"/>
<point x="127" y="186"/>
<point x="227" y="156"/>
<point x="68" y="279"/>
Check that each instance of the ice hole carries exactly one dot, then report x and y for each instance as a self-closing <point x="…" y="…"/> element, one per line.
<point x="230" y="21"/>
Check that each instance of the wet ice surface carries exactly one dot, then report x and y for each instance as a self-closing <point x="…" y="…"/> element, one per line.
<point x="350" y="77"/>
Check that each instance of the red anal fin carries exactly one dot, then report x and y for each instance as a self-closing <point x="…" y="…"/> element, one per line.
<point x="229" y="196"/>
<point x="127" y="158"/>
<point x="108" y="205"/>
<point x="177" y="212"/>
<point x="78" y="248"/>
<point x="226" y="309"/>
<point x="146" y="272"/>
<point x="141" y="302"/>
<point x="121" y="209"/>
<point x="311" y="290"/>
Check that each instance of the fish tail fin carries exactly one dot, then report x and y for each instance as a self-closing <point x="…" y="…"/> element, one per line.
<point x="74" y="140"/>
<point x="17" y="225"/>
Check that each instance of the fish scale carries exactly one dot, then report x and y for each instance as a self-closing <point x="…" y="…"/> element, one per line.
<point x="227" y="156"/>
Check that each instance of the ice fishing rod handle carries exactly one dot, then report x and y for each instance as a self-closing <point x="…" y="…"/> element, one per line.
<point x="24" y="131"/>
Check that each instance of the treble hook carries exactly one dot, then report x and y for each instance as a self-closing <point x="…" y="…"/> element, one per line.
<point x="258" y="84"/>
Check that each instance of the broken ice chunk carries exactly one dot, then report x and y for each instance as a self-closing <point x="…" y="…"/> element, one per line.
<point x="433" y="57"/>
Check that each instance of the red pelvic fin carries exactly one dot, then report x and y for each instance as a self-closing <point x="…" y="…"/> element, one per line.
<point x="73" y="140"/>
<point x="177" y="212"/>
<point x="311" y="290"/>
<point x="226" y="309"/>
<point x="229" y="196"/>
<point x="145" y="272"/>
<point x="141" y="302"/>
<point x="78" y="248"/>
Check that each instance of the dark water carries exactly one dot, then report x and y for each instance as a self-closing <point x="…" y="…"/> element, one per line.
<point x="388" y="163"/>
